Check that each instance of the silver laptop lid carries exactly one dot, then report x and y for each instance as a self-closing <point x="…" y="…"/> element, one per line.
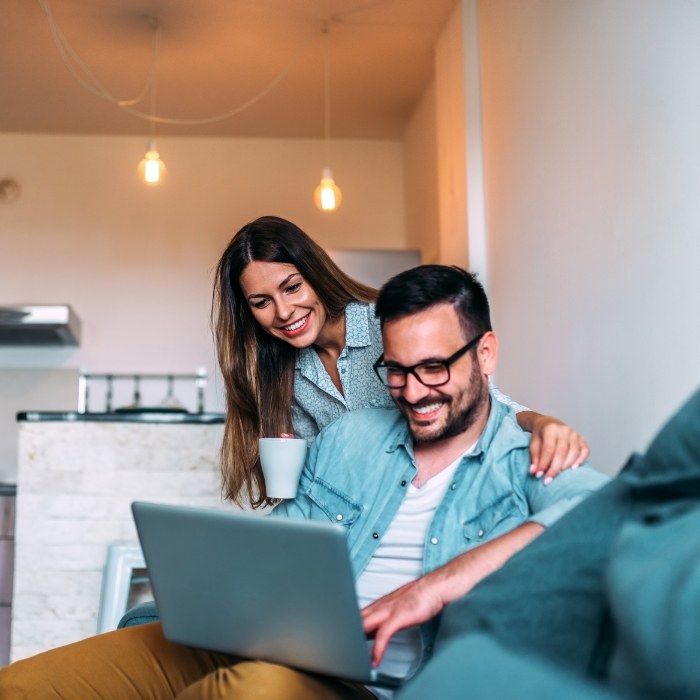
<point x="258" y="587"/>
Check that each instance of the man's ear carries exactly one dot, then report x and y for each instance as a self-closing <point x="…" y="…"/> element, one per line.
<point x="488" y="353"/>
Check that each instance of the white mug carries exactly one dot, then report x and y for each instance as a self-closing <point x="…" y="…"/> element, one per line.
<point x="282" y="460"/>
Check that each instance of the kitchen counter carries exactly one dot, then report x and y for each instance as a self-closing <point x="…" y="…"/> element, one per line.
<point x="143" y="416"/>
<point x="78" y="474"/>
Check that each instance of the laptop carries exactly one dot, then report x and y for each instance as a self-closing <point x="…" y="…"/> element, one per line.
<point x="266" y="588"/>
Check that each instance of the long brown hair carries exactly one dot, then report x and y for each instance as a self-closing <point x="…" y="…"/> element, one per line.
<point x="257" y="368"/>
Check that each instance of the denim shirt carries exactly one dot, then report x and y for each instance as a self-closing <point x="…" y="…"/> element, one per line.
<point x="358" y="469"/>
<point x="317" y="401"/>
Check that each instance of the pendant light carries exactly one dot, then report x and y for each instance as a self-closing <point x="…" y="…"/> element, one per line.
<point x="152" y="169"/>
<point x="327" y="195"/>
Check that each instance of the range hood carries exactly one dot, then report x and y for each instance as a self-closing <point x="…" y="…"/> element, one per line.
<point x="44" y="325"/>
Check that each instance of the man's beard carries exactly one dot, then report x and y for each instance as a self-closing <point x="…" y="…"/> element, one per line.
<point x="466" y="406"/>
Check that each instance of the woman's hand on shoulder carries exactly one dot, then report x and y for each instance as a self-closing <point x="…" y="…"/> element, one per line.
<point x="554" y="447"/>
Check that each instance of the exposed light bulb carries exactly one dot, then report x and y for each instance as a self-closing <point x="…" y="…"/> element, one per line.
<point x="151" y="168"/>
<point x="327" y="195"/>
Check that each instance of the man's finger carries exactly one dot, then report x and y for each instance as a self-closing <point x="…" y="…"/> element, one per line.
<point x="374" y="616"/>
<point x="381" y="641"/>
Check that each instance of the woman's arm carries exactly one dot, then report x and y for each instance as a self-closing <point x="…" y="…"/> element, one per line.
<point x="554" y="446"/>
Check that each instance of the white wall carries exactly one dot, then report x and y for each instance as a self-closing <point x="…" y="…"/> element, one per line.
<point x="40" y="389"/>
<point x="136" y="262"/>
<point x="592" y="150"/>
<point x="421" y="179"/>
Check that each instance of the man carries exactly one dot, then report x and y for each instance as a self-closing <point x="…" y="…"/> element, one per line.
<point x="450" y="494"/>
<point x="434" y="495"/>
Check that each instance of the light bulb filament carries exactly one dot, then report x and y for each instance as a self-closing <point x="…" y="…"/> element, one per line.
<point x="151" y="168"/>
<point x="327" y="195"/>
<point x="152" y="173"/>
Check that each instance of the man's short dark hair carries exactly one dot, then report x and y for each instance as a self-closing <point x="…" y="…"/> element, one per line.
<point x="424" y="286"/>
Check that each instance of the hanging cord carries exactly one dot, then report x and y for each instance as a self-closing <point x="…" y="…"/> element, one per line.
<point x="151" y="80"/>
<point x="87" y="79"/>
<point x="327" y="91"/>
<point x="83" y="75"/>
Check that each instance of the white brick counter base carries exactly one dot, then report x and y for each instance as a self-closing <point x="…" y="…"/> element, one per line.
<point x="76" y="482"/>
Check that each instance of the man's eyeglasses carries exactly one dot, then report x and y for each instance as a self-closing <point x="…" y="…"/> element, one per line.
<point x="428" y="373"/>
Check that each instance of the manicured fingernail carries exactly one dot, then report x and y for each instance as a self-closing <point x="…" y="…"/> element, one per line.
<point x="575" y="466"/>
<point x="539" y="475"/>
<point x="548" y="480"/>
<point x="532" y="469"/>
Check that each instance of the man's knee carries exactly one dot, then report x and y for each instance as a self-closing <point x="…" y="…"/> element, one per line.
<point x="266" y="681"/>
<point x="243" y="680"/>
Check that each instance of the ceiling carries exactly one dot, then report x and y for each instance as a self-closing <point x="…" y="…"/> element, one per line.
<point x="215" y="56"/>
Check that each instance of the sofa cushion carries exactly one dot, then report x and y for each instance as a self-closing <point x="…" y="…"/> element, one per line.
<point x="139" y="615"/>
<point x="653" y="585"/>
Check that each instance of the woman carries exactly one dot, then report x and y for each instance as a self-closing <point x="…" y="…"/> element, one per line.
<point x="296" y="339"/>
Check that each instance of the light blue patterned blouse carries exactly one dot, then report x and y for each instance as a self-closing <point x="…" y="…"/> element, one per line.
<point x="317" y="401"/>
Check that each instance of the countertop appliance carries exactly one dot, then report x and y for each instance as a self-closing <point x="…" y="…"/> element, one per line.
<point x="39" y="325"/>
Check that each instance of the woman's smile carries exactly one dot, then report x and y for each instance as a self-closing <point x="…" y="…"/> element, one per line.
<point x="297" y="327"/>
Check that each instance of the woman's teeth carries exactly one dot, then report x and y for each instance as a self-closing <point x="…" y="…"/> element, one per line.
<point x="297" y="324"/>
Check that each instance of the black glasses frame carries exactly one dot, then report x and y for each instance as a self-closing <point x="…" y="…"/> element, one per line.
<point x="412" y="369"/>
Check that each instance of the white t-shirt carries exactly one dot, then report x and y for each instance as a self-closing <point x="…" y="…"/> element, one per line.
<point x="399" y="560"/>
